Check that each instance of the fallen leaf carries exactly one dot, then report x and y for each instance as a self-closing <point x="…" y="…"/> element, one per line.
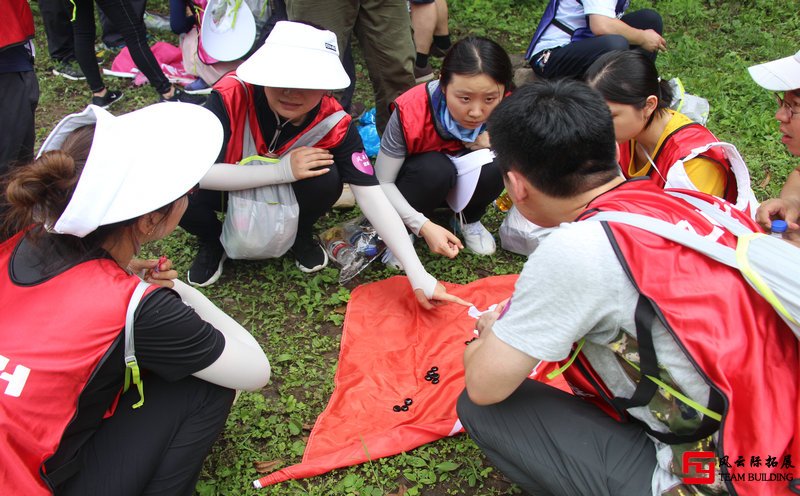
<point x="308" y="427"/>
<point x="341" y="309"/>
<point x="266" y="467"/>
<point x="765" y="181"/>
<point x="401" y="490"/>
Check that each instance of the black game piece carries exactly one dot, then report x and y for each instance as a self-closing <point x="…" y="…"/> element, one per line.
<point x="408" y="401"/>
<point x="396" y="408"/>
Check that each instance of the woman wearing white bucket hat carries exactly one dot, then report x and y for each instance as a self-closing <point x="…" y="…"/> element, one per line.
<point x="276" y="99"/>
<point x="67" y="348"/>
<point x="783" y="77"/>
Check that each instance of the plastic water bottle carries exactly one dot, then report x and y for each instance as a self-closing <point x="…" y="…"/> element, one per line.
<point x="365" y="243"/>
<point x="343" y="253"/>
<point x="778" y="228"/>
<point x="503" y="202"/>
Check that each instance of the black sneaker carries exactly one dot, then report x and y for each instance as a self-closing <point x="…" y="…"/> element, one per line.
<point x="309" y="256"/>
<point x="182" y="96"/>
<point x="68" y="69"/>
<point x="207" y="265"/>
<point x="106" y="101"/>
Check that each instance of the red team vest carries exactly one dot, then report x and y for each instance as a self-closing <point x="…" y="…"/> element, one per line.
<point x="677" y="146"/>
<point x="417" y="119"/>
<point x="53" y="336"/>
<point x="238" y="97"/>
<point x="734" y="337"/>
<point x="17" y="22"/>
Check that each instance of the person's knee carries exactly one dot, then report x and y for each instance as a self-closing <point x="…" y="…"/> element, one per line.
<point x="432" y="171"/>
<point x="651" y="19"/>
<point x="612" y="42"/>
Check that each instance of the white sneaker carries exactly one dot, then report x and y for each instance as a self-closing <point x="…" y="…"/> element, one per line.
<point x="478" y="238"/>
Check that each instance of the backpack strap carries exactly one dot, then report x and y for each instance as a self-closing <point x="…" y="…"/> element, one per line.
<point x="132" y="372"/>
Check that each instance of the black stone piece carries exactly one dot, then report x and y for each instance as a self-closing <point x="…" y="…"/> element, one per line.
<point x="435" y="381"/>
<point x="404" y="408"/>
<point x="408" y="401"/>
<point x="434" y="369"/>
<point x="428" y="378"/>
<point x="396" y="408"/>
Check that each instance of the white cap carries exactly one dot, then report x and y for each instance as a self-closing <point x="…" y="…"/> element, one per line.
<point x="138" y="162"/>
<point x="296" y="55"/>
<point x="229" y="29"/>
<point x="778" y="75"/>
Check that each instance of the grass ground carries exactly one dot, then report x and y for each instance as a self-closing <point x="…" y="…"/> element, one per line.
<point x="298" y="317"/>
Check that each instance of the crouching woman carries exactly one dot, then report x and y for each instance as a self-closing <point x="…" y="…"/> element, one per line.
<point x="112" y="384"/>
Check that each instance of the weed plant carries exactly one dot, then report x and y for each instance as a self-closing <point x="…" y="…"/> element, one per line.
<point x="298" y="317"/>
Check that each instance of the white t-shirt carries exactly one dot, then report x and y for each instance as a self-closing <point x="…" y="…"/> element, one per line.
<point x="573" y="14"/>
<point x="573" y="287"/>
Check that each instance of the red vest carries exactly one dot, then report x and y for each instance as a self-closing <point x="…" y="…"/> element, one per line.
<point x="17" y="22"/>
<point x="734" y="337"/>
<point x="57" y="332"/>
<point x="677" y="146"/>
<point x="417" y="119"/>
<point x="238" y="100"/>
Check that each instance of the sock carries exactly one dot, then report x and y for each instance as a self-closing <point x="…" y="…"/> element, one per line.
<point x="422" y="59"/>
<point x="442" y="41"/>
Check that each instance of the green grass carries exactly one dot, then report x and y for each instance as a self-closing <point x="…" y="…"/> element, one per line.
<point x="298" y="317"/>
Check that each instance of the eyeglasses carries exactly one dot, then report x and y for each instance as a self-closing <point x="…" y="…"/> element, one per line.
<point x="783" y="105"/>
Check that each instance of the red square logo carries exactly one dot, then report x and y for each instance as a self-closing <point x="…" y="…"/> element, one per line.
<point x="701" y="463"/>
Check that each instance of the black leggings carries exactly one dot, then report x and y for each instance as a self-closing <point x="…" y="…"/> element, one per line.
<point x="315" y="196"/>
<point x="552" y="443"/>
<point x="574" y="59"/>
<point x="131" y="26"/>
<point x="427" y="178"/>
<point x="157" y="449"/>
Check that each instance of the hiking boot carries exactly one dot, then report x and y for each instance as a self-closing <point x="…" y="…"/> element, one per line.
<point x="478" y="239"/>
<point x="68" y="69"/>
<point x="107" y="100"/>
<point x="182" y="96"/>
<point x="197" y="87"/>
<point x="423" y="74"/>
<point x="309" y="255"/>
<point x="207" y="265"/>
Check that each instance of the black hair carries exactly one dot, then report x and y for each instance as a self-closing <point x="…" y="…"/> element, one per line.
<point x="629" y="77"/>
<point x="475" y="55"/>
<point x="558" y="134"/>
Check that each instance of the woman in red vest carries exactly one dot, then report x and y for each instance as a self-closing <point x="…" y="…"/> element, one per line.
<point x="434" y="121"/>
<point x="79" y="325"/>
<point x="652" y="137"/>
<point x="268" y="108"/>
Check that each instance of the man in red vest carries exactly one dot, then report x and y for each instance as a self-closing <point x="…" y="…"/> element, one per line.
<point x="19" y="89"/>
<point x="678" y="367"/>
<point x="783" y="77"/>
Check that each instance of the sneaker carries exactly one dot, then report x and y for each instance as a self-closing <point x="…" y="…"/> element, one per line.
<point x="197" y="87"/>
<point x="423" y="74"/>
<point x="390" y="260"/>
<point x="68" y="69"/>
<point x="478" y="239"/>
<point x="207" y="265"/>
<point x="309" y="256"/>
<point x="182" y="96"/>
<point x="106" y="101"/>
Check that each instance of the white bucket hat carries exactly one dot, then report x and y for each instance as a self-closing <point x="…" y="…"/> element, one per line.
<point x="778" y="75"/>
<point x="229" y="29"/>
<point x="138" y="162"/>
<point x="296" y="55"/>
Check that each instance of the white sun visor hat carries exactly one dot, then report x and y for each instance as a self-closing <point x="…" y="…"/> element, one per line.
<point x="296" y="55"/>
<point x="138" y="162"/>
<point x="229" y="29"/>
<point x="468" y="170"/>
<point x="778" y="75"/>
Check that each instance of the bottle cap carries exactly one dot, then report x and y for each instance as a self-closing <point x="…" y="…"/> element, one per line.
<point x="778" y="226"/>
<point x="370" y="250"/>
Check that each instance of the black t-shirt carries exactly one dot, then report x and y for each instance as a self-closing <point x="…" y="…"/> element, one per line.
<point x="172" y="341"/>
<point x="342" y="154"/>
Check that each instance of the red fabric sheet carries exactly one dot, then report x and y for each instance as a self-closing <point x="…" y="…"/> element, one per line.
<point x="388" y="345"/>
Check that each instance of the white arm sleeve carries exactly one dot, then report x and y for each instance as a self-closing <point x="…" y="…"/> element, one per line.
<point x="230" y="177"/>
<point x="242" y="364"/>
<point x="387" y="168"/>
<point x="384" y="218"/>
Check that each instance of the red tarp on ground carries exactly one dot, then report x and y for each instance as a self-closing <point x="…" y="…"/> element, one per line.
<point x="388" y="345"/>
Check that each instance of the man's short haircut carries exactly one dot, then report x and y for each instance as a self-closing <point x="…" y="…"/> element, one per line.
<point x="558" y="134"/>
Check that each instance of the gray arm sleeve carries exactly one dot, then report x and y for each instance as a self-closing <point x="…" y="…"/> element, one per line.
<point x="242" y="364"/>
<point x="393" y="142"/>
<point x="387" y="168"/>
<point x="384" y="218"/>
<point x="230" y="177"/>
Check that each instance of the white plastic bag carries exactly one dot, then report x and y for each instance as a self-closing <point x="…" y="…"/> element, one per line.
<point x="519" y="235"/>
<point x="260" y="222"/>
<point x="692" y="106"/>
